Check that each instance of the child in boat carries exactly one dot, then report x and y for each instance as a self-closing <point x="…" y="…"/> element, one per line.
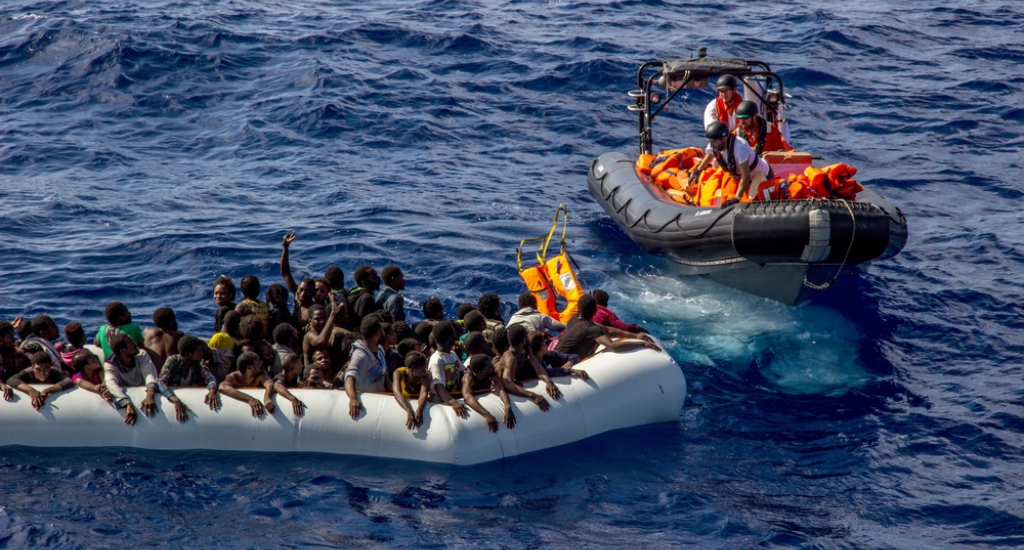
<point x="277" y="301"/>
<point x="224" y="296"/>
<point x="446" y="368"/>
<point x="75" y="336"/>
<point x="554" y="363"/>
<point x="89" y="373"/>
<point x="250" y="286"/>
<point x="229" y="335"/>
<point x="412" y="381"/>
<point x="12" y="360"/>
<point x="482" y="377"/>
<point x="250" y="374"/>
<point x="517" y="364"/>
<point x="291" y="372"/>
<point x="41" y="372"/>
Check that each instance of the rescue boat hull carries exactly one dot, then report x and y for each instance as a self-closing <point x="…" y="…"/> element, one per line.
<point x="781" y="250"/>
<point x="624" y="390"/>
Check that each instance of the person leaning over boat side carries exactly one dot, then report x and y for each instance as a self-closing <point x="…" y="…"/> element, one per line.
<point x="482" y="376"/>
<point x="250" y="374"/>
<point x="445" y="368"/>
<point x="188" y="368"/>
<point x="162" y="341"/>
<point x="723" y="107"/>
<point x="224" y="293"/>
<point x="554" y="363"/>
<point x="12" y="359"/>
<point x="126" y="367"/>
<point x="119" y="321"/>
<point x="607" y="317"/>
<point x="360" y="299"/>
<point x="44" y="334"/>
<point x="734" y="156"/>
<point x="412" y="381"/>
<point x="367" y="367"/>
<point x="529" y="317"/>
<point x="760" y="134"/>
<point x="582" y="335"/>
<point x="518" y="364"/>
<point x="41" y="372"/>
<point x="89" y="373"/>
<point x="390" y="300"/>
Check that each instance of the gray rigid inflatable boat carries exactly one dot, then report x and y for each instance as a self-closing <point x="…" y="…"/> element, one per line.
<point x="786" y="251"/>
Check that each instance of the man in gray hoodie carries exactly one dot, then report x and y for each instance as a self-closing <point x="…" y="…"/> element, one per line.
<point x="127" y="367"/>
<point x="367" y="366"/>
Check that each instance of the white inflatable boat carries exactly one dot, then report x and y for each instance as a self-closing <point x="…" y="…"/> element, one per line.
<point x="625" y="390"/>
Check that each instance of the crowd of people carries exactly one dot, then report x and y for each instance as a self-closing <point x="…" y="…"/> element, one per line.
<point x="353" y="340"/>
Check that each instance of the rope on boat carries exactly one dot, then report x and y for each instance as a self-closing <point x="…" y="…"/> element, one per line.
<point x="853" y="234"/>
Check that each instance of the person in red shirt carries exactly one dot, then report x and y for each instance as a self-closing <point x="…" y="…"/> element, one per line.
<point x="607" y="317"/>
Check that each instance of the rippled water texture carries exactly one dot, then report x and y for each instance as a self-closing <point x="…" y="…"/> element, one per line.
<point x="146" y="149"/>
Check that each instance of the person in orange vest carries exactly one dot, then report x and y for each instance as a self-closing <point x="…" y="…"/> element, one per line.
<point x="723" y="107"/>
<point x="755" y="130"/>
<point x="734" y="156"/>
<point x="776" y="111"/>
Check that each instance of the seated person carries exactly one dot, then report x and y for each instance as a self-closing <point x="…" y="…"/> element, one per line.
<point x="89" y="373"/>
<point x="582" y="336"/>
<point x="250" y="374"/>
<point x="490" y="306"/>
<point x="433" y="310"/>
<point x="474" y="322"/>
<point x="188" y="368"/>
<point x="44" y="335"/>
<point x="320" y="330"/>
<point x="277" y="301"/>
<point x="608" y="318"/>
<point x="499" y="342"/>
<point x="12" y="359"/>
<point x="554" y="363"/>
<point x="462" y="311"/>
<point x="360" y="299"/>
<point x="41" y="372"/>
<point x="322" y="360"/>
<point x="412" y="381"/>
<point x="229" y="335"/>
<point x="336" y="278"/>
<point x="473" y="344"/>
<point x="368" y="365"/>
<point x="529" y="317"/>
<point x="517" y="364"/>
<point x="224" y="296"/>
<point x="390" y="300"/>
<point x="482" y="376"/>
<point x="760" y="134"/>
<point x="445" y="369"/>
<point x="119" y="321"/>
<point x="291" y="372"/>
<point x="161" y="341"/>
<point x="128" y="367"/>
<point x="250" y="286"/>
<point x="286" y="339"/>
<point x="75" y="338"/>
<point x="734" y="156"/>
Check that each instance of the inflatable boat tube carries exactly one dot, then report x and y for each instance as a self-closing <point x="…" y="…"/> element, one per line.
<point x="624" y="390"/>
<point x="770" y="249"/>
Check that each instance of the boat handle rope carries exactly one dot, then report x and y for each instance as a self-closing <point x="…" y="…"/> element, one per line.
<point x="853" y="234"/>
<point x="542" y="251"/>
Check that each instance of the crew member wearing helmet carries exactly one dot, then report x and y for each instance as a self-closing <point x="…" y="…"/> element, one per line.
<point x="758" y="132"/>
<point x="723" y="107"/>
<point x="735" y="157"/>
<point x="776" y="112"/>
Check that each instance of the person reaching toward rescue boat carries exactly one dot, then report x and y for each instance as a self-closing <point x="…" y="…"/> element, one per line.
<point x="735" y="157"/>
<point x="582" y="335"/>
<point x="723" y="107"/>
<point x="760" y="134"/>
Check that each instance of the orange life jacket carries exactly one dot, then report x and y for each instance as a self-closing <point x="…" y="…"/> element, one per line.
<point x="766" y="138"/>
<point x="833" y="181"/>
<point x="724" y="111"/>
<point x="671" y="171"/>
<point x="552" y="277"/>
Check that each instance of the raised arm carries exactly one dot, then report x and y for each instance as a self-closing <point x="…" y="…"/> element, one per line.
<point x="286" y="268"/>
<point x="324" y="338"/>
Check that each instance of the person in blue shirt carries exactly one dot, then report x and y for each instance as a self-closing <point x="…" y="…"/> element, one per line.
<point x="390" y="300"/>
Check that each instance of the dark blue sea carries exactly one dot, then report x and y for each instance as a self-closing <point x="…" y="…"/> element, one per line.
<point x="148" y="147"/>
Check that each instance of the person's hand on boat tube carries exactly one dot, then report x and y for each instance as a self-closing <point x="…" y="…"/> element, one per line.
<point x="130" y="415"/>
<point x="354" y="406"/>
<point x="540" y="402"/>
<point x="460" y="409"/>
<point x="148" y="406"/>
<point x="8" y="394"/>
<point x="492" y="423"/>
<point x="212" y="399"/>
<point x="297" y="407"/>
<point x="552" y="390"/>
<point x="256" y="407"/>
<point x="180" y="410"/>
<point x="509" y="418"/>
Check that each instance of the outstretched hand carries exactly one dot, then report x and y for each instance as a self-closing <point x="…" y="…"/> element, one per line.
<point x="287" y="240"/>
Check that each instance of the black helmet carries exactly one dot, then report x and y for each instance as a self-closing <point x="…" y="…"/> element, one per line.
<point x="727" y="81"/>
<point x="746" y="109"/>
<point x="716" y="130"/>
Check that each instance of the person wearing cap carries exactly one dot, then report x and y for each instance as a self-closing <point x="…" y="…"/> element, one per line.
<point x="734" y="156"/>
<point x="723" y="107"/>
<point x="756" y="131"/>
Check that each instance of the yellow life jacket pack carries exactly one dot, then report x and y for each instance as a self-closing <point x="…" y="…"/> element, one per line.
<point x="552" y="277"/>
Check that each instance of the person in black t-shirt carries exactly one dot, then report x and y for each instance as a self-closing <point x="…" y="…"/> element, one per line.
<point x="582" y="336"/>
